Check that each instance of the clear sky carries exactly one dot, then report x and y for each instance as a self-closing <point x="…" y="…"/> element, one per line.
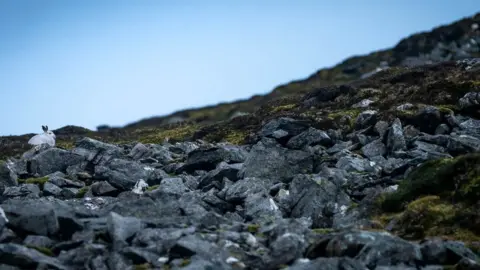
<point x="94" y="62"/>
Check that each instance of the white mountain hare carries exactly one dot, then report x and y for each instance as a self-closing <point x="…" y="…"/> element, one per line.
<point x="46" y="137"/>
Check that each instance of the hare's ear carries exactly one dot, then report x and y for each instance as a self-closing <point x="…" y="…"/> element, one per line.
<point x="44" y="128"/>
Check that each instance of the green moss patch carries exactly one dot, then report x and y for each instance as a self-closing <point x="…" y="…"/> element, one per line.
<point x="65" y="144"/>
<point x="430" y="216"/>
<point x="235" y="131"/>
<point x="437" y="199"/>
<point x="43" y="250"/>
<point x="40" y="181"/>
<point x="152" y="187"/>
<point x="145" y="266"/>
<point x="454" y="179"/>
<point x="155" y="136"/>
<point x="81" y="192"/>
<point x="349" y="115"/>
<point x="185" y="262"/>
<point x="323" y="230"/>
<point x="253" y="228"/>
<point x="285" y="107"/>
<point x="447" y="108"/>
<point x="353" y="113"/>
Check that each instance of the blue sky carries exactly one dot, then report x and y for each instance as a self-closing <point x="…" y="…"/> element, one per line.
<point x="88" y="62"/>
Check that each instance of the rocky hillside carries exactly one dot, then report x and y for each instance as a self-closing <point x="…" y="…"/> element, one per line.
<point x="381" y="171"/>
<point x="456" y="41"/>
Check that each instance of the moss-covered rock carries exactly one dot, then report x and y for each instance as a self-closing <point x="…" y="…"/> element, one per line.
<point x="439" y="199"/>
<point x="185" y="262"/>
<point x="235" y="137"/>
<point x="455" y="179"/>
<point x="285" y="107"/>
<point x="145" y="266"/>
<point x="65" y="144"/>
<point x="158" y="136"/>
<point x="351" y="113"/>
<point x="40" y="181"/>
<point x="323" y="230"/>
<point x="345" y="118"/>
<point x="82" y="191"/>
<point x="430" y="216"/>
<point x="43" y="250"/>
<point x="151" y="188"/>
<point x="235" y="131"/>
<point x="253" y="228"/>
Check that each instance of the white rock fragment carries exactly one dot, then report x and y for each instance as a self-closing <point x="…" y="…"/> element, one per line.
<point x="273" y="206"/>
<point x="162" y="259"/>
<point x="2" y="215"/>
<point x="363" y="104"/>
<point x="231" y="260"/>
<point x="392" y="188"/>
<point x="405" y="107"/>
<point x="140" y="187"/>
<point x="93" y="203"/>
<point x="234" y="261"/>
<point x="229" y="243"/>
<point x="91" y="206"/>
<point x="251" y="240"/>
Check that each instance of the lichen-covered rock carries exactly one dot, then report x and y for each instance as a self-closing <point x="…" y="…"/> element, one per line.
<point x="208" y="158"/>
<point x="216" y="176"/>
<point x="436" y="177"/>
<point x="428" y="119"/>
<point x="123" y="174"/>
<point x="8" y="176"/>
<point x="309" y="137"/>
<point x="269" y="160"/>
<point x="32" y="217"/>
<point x="317" y="198"/>
<point x="365" y="119"/>
<point x="52" y="160"/>
<point x="287" y="126"/>
<point x="103" y="188"/>
<point x="121" y="228"/>
<point x="374" y="149"/>
<point x="140" y="151"/>
<point x="470" y="100"/>
<point x="96" y="152"/>
<point x="24" y="190"/>
<point x="395" y="137"/>
<point x="28" y="258"/>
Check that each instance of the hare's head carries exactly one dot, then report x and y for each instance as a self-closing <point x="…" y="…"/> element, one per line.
<point x="48" y="132"/>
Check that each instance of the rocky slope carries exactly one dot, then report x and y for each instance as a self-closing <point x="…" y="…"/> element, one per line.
<point x="456" y="41"/>
<point x="381" y="173"/>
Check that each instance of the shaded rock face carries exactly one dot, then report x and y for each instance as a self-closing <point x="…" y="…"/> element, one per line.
<point x="269" y="160"/>
<point x="300" y="197"/>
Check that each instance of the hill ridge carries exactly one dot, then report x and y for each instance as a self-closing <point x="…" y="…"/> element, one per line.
<point x="408" y="51"/>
